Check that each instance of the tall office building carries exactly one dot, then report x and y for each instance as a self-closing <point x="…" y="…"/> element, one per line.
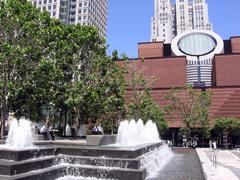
<point x="170" y="20"/>
<point x="84" y="12"/>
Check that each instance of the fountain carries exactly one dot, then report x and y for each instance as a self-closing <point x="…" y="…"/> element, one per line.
<point x="19" y="134"/>
<point x="135" y="133"/>
<point x="137" y="154"/>
<point x="132" y="133"/>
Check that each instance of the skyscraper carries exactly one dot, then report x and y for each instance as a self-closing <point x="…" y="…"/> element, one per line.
<point x="171" y="20"/>
<point x="84" y="12"/>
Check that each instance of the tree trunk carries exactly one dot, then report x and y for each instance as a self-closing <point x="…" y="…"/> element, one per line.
<point x="65" y="122"/>
<point x="3" y="119"/>
<point x="2" y="125"/>
<point x="4" y="111"/>
<point x="77" y="116"/>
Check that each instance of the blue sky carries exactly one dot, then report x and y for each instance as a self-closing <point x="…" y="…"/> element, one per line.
<point x="129" y="22"/>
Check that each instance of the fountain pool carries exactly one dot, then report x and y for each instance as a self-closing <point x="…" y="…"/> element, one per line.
<point x="138" y="154"/>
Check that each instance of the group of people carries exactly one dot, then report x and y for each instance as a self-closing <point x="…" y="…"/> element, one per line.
<point x="97" y="129"/>
<point x="192" y="142"/>
<point x="47" y="131"/>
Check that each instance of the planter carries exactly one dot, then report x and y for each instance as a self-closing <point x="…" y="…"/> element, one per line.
<point x="98" y="140"/>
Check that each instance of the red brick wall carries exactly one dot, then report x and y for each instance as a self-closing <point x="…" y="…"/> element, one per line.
<point x="235" y="42"/>
<point x="227" y="70"/>
<point x="167" y="72"/>
<point x="154" y="49"/>
<point x="225" y="102"/>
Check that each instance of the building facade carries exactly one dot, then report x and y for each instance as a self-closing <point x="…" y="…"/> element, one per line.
<point x="218" y="68"/>
<point x="169" y="20"/>
<point x="84" y="12"/>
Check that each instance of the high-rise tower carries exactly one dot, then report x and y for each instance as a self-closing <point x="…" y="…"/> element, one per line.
<point x="85" y="12"/>
<point x="162" y="22"/>
<point x="171" y="20"/>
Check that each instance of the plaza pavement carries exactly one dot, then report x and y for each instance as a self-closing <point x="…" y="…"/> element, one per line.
<point x="227" y="166"/>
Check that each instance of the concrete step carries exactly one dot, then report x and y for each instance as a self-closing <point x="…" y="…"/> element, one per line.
<point x="84" y="171"/>
<point x="110" y="152"/>
<point x="17" y="167"/>
<point x="49" y="173"/>
<point x="99" y="161"/>
<point x="19" y="155"/>
<point x="64" y="169"/>
<point x="106" y="172"/>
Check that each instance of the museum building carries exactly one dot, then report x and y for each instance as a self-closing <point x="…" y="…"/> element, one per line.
<point x="199" y="58"/>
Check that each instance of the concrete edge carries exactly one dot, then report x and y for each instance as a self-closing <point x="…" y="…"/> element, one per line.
<point x="201" y="163"/>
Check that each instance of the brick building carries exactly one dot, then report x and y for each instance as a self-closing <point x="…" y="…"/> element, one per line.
<point x="171" y="71"/>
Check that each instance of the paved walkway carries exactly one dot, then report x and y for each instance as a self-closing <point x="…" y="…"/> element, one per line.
<point x="227" y="166"/>
<point x="184" y="165"/>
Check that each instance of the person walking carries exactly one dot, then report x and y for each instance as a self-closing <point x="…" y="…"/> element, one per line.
<point x="210" y="145"/>
<point x="214" y="148"/>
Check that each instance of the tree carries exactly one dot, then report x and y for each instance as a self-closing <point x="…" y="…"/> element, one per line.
<point x="75" y="52"/>
<point x="100" y="93"/>
<point x="204" y="102"/>
<point x="45" y="63"/>
<point x="192" y="105"/>
<point x="19" y="22"/>
<point x="141" y="104"/>
<point x="227" y="125"/>
<point x="39" y="58"/>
